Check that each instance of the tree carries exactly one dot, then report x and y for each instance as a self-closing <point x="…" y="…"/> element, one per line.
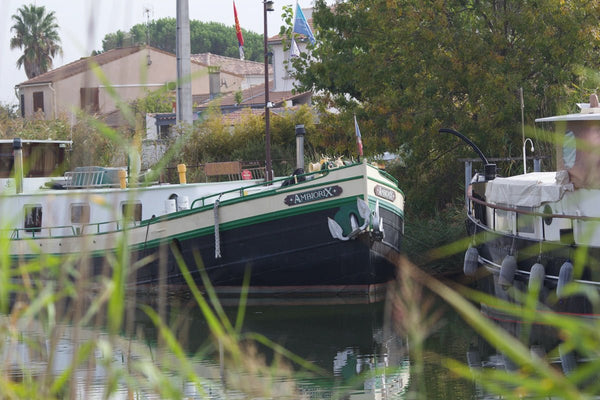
<point x="205" y="37"/>
<point x="408" y="68"/>
<point x="158" y="101"/>
<point x="36" y="33"/>
<point x="117" y="39"/>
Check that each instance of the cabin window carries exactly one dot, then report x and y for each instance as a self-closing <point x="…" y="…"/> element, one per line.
<point x="525" y="222"/>
<point x="38" y="101"/>
<point x="132" y="211"/>
<point x="503" y="220"/>
<point x="80" y="213"/>
<point x="33" y="217"/>
<point x="569" y="150"/>
<point x="22" y="106"/>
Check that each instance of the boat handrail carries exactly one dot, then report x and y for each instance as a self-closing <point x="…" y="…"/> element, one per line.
<point x="387" y="175"/>
<point x="85" y="179"/>
<point x="532" y="213"/>
<point x="241" y="190"/>
<point x="35" y="232"/>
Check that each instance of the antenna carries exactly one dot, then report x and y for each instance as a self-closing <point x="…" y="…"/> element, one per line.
<point x="148" y="10"/>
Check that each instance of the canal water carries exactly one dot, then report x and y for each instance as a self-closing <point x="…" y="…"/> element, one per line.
<point x="352" y="346"/>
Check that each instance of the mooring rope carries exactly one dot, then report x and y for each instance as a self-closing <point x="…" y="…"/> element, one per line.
<point x="217" y="236"/>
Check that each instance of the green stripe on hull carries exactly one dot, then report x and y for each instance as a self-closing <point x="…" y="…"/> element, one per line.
<point x="385" y="204"/>
<point x="209" y="230"/>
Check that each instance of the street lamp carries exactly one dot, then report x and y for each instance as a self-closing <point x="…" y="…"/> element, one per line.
<point x="525" y="154"/>
<point x="267" y="6"/>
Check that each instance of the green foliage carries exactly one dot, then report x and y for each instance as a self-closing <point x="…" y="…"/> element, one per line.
<point x="36" y="33"/>
<point x="7" y="112"/>
<point x="205" y="37"/>
<point x="156" y="101"/>
<point x="12" y="126"/>
<point x="239" y="96"/>
<point x="423" y="233"/>
<point x="116" y="40"/>
<point x="212" y="140"/>
<point x="414" y="67"/>
<point x="92" y="147"/>
<point x="90" y="144"/>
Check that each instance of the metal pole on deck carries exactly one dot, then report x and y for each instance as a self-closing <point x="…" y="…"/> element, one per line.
<point x="468" y="176"/>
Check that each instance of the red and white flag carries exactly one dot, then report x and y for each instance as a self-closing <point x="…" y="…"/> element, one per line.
<point x="238" y="32"/>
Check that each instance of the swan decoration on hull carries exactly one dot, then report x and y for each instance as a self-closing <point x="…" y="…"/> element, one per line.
<point x="371" y="218"/>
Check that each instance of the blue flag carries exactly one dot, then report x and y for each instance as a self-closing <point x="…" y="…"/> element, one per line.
<point x="301" y="25"/>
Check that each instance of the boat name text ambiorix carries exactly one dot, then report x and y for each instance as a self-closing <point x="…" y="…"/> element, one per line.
<point x="313" y="195"/>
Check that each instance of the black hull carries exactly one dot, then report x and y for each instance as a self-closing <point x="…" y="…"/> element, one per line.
<point x="494" y="247"/>
<point x="296" y="252"/>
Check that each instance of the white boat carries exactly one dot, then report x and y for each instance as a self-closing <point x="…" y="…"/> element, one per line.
<point x="337" y="229"/>
<point x="541" y="228"/>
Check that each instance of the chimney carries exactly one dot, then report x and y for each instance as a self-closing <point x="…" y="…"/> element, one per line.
<point x="214" y="81"/>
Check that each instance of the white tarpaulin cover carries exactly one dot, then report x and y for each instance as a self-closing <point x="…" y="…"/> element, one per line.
<point x="530" y="190"/>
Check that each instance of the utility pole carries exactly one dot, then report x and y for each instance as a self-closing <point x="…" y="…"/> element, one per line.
<point x="184" y="68"/>
<point x="267" y="6"/>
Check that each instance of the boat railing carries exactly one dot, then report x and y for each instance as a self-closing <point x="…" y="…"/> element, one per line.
<point x="87" y="179"/>
<point x="72" y="230"/>
<point x="531" y="213"/>
<point x="270" y="186"/>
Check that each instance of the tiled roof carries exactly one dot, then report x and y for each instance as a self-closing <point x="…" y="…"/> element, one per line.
<point x="231" y="65"/>
<point x="81" y="65"/>
<point x="237" y="116"/>
<point x="255" y="95"/>
<point x="115" y="119"/>
<point x="200" y="98"/>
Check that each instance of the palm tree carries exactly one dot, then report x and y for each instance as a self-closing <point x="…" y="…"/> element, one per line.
<point x="35" y="32"/>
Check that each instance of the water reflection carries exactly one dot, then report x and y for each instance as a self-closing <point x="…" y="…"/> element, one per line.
<point x="349" y="340"/>
<point x="558" y="358"/>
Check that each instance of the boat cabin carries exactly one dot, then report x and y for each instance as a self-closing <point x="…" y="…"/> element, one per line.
<point x="578" y="148"/>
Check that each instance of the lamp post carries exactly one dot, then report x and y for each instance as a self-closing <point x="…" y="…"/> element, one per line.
<point x="525" y="154"/>
<point x="267" y="6"/>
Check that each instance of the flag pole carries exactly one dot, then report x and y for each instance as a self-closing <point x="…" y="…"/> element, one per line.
<point x="358" y="138"/>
